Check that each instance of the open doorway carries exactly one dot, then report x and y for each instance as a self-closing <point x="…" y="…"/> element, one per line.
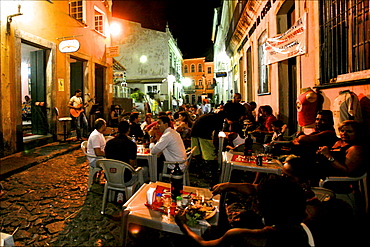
<point x="33" y="88"/>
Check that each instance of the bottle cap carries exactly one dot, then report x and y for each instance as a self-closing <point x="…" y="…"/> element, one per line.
<point x="179" y="198"/>
<point x="158" y="194"/>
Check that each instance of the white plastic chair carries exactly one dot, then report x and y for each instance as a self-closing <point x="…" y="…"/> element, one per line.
<point x="92" y="170"/>
<point x="362" y="185"/>
<point x="186" y="177"/>
<point x="114" y="171"/>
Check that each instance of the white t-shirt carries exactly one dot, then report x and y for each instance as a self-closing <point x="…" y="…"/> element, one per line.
<point x="96" y="140"/>
<point x="75" y="101"/>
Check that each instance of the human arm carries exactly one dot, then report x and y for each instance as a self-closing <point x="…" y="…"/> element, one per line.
<point x="244" y="188"/>
<point x="353" y="164"/>
<point x="237" y="236"/>
<point x="99" y="152"/>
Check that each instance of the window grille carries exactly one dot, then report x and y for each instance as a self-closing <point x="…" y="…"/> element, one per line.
<point x="344" y="38"/>
<point x="262" y="67"/>
<point x="99" y="22"/>
<point x="76" y="10"/>
<point x="186" y="69"/>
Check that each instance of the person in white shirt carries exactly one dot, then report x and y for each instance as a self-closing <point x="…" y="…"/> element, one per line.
<point x="96" y="142"/>
<point x="170" y="142"/>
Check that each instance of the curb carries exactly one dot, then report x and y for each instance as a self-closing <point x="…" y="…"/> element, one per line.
<point x="21" y="161"/>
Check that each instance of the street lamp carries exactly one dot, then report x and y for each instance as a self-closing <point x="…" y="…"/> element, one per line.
<point x="186" y="82"/>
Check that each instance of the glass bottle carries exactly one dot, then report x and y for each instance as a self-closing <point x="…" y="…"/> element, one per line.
<point x="176" y="182"/>
<point x="248" y="143"/>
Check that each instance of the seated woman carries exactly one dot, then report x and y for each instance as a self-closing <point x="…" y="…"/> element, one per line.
<point x="114" y="116"/>
<point x="184" y="127"/>
<point x="348" y="156"/>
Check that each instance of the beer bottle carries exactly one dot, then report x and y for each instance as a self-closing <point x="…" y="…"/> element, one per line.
<point x="176" y="182"/>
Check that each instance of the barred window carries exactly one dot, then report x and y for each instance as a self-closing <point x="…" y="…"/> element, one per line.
<point x="209" y="70"/>
<point x="76" y="10"/>
<point x="344" y="38"/>
<point x="99" y="22"/>
<point x="186" y="68"/>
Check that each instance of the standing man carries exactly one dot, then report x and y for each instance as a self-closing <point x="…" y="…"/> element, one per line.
<point x="235" y="113"/>
<point x="170" y="142"/>
<point x="204" y="135"/>
<point x="96" y="142"/>
<point x="77" y="111"/>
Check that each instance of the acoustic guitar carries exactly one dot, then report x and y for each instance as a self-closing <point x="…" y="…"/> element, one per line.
<point x="76" y="112"/>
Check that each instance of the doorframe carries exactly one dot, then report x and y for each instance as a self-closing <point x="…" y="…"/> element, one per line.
<point x="50" y="71"/>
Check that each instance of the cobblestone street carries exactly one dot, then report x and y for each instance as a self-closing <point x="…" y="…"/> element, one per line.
<point x="48" y="204"/>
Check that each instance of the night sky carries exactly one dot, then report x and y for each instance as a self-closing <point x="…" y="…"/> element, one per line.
<point x="190" y="22"/>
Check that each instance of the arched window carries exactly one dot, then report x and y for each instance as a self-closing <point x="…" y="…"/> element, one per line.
<point x="200" y="82"/>
<point x="200" y="69"/>
<point x="192" y="68"/>
<point x="186" y="68"/>
<point x="262" y="67"/>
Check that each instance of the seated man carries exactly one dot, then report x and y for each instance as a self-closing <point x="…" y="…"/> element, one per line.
<point x="135" y="129"/>
<point x="170" y="142"/>
<point x="306" y="146"/>
<point x="96" y="142"/>
<point x="123" y="149"/>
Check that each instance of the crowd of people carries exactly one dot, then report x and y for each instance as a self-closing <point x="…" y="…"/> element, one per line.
<point x="282" y="201"/>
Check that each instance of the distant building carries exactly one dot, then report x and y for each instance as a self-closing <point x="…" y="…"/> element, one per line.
<point x="198" y="82"/>
<point x="152" y="61"/>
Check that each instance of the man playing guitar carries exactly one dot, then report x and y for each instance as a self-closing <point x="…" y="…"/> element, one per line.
<point x="77" y="111"/>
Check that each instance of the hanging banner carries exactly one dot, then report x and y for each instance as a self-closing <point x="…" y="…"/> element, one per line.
<point x="289" y="44"/>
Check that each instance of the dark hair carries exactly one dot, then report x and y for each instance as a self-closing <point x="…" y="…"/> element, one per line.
<point x="133" y="116"/>
<point x="78" y="91"/>
<point x="328" y="116"/>
<point x="99" y="123"/>
<point x="267" y="109"/>
<point x="187" y="118"/>
<point x="123" y="127"/>
<point x="165" y="120"/>
<point x="278" y="123"/>
<point x="176" y="115"/>
<point x="281" y="201"/>
<point x="252" y="103"/>
<point x="162" y="113"/>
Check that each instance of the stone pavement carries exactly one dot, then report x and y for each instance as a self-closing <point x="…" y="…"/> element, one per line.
<point x="45" y="202"/>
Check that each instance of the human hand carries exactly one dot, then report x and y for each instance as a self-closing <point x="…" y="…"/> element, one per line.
<point x="219" y="188"/>
<point x="324" y="151"/>
<point x="180" y="217"/>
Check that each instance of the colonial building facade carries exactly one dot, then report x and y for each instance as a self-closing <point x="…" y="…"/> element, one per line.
<point x="198" y="80"/>
<point x="273" y="51"/>
<point x="152" y="60"/>
<point x="48" y="50"/>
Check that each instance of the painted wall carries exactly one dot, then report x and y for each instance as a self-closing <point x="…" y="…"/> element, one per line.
<point x="135" y="42"/>
<point x="44" y="24"/>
